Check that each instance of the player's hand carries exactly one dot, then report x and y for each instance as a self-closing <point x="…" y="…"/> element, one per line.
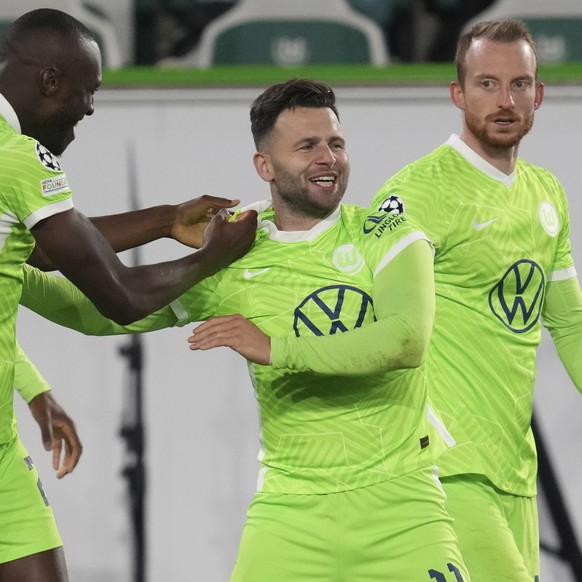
<point x="192" y="218"/>
<point x="58" y="433"/>
<point x="226" y="238"/>
<point x="235" y="332"/>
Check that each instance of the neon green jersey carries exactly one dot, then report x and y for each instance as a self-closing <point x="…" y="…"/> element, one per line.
<point x="32" y="187"/>
<point x="499" y="240"/>
<point x="323" y="433"/>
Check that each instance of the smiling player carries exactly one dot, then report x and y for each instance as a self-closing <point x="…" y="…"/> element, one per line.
<point x="347" y="488"/>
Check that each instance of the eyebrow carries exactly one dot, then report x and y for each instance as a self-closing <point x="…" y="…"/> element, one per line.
<point x="525" y="77"/>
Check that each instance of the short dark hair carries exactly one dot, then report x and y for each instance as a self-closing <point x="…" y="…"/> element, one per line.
<point x="44" y="20"/>
<point x="293" y="93"/>
<point x="496" y="30"/>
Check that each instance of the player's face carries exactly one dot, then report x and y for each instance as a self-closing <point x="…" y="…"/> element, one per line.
<point x="500" y="94"/>
<point x="73" y="98"/>
<point x="308" y="166"/>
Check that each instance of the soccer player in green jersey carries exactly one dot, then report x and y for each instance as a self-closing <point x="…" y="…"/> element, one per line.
<point x="346" y="488"/>
<point x="503" y="266"/>
<point x="50" y="68"/>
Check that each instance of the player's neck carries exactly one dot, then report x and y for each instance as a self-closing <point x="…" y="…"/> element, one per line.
<point x="293" y="220"/>
<point x="502" y="158"/>
<point x="295" y="223"/>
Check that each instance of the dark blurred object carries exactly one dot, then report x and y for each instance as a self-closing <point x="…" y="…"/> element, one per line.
<point x="192" y="20"/>
<point x="145" y="31"/>
<point x="171" y="28"/>
<point x="568" y="548"/>
<point x="451" y="16"/>
<point x="421" y="30"/>
<point x="395" y="18"/>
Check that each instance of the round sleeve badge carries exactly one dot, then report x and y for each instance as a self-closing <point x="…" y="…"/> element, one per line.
<point x="47" y="159"/>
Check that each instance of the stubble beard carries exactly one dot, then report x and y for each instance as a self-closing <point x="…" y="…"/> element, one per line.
<point x="298" y="199"/>
<point x="479" y="129"/>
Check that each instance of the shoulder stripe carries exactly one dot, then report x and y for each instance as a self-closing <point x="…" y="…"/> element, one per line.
<point x="400" y="246"/>
<point x="46" y="211"/>
<point x="439" y="426"/>
<point x="563" y="274"/>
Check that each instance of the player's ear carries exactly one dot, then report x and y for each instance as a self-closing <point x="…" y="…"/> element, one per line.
<point x="539" y="95"/>
<point x="264" y="166"/>
<point x="48" y="79"/>
<point x="457" y="95"/>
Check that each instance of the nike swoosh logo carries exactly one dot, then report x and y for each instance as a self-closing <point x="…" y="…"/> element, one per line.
<point x="250" y="274"/>
<point x="481" y="225"/>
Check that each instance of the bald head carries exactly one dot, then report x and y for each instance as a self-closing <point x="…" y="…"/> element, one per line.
<point x="50" y="66"/>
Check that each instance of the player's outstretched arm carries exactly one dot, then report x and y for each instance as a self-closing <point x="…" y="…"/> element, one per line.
<point x="126" y="294"/>
<point x="185" y="223"/>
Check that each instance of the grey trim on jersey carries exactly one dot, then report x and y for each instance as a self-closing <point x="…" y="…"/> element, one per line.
<point x="47" y="211"/>
<point x="181" y="314"/>
<point x="440" y="427"/>
<point x="476" y="160"/>
<point x="563" y="274"/>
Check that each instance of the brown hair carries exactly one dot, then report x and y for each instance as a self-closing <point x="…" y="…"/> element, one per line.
<point x="496" y="30"/>
<point x="293" y="93"/>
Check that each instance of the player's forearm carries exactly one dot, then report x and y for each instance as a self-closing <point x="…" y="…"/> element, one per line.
<point x="562" y="317"/>
<point x="123" y="231"/>
<point x="383" y="346"/>
<point x="132" y="229"/>
<point x="28" y="381"/>
<point x="404" y="303"/>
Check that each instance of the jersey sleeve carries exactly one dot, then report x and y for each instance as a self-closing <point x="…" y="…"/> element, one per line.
<point x="28" y="381"/>
<point x="35" y="185"/>
<point x="563" y="266"/>
<point x="58" y="300"/>
<point x="403" y="295"/>
<point x="418" y="200"/>
<point x="200" y="302"/>
<point x="562" y="316"/>
<point x="421" y="191"/>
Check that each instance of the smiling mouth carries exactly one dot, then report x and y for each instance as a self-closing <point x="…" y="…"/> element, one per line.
<point x="324" y="181"/>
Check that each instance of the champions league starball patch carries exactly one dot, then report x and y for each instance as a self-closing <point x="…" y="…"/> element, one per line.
<point x="47" y="159"/>
<point x="392" y="205"/>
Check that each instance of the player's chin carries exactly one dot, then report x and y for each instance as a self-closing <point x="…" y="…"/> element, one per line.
<point x="59" y="146"/>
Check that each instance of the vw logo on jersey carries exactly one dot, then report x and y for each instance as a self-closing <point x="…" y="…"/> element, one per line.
<point x="347" y="259"/>
<point x="549" y="218"/>
<point x="331" y="309"/>
<point x="517" y="299"/>
<point x="47" y="159"/>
